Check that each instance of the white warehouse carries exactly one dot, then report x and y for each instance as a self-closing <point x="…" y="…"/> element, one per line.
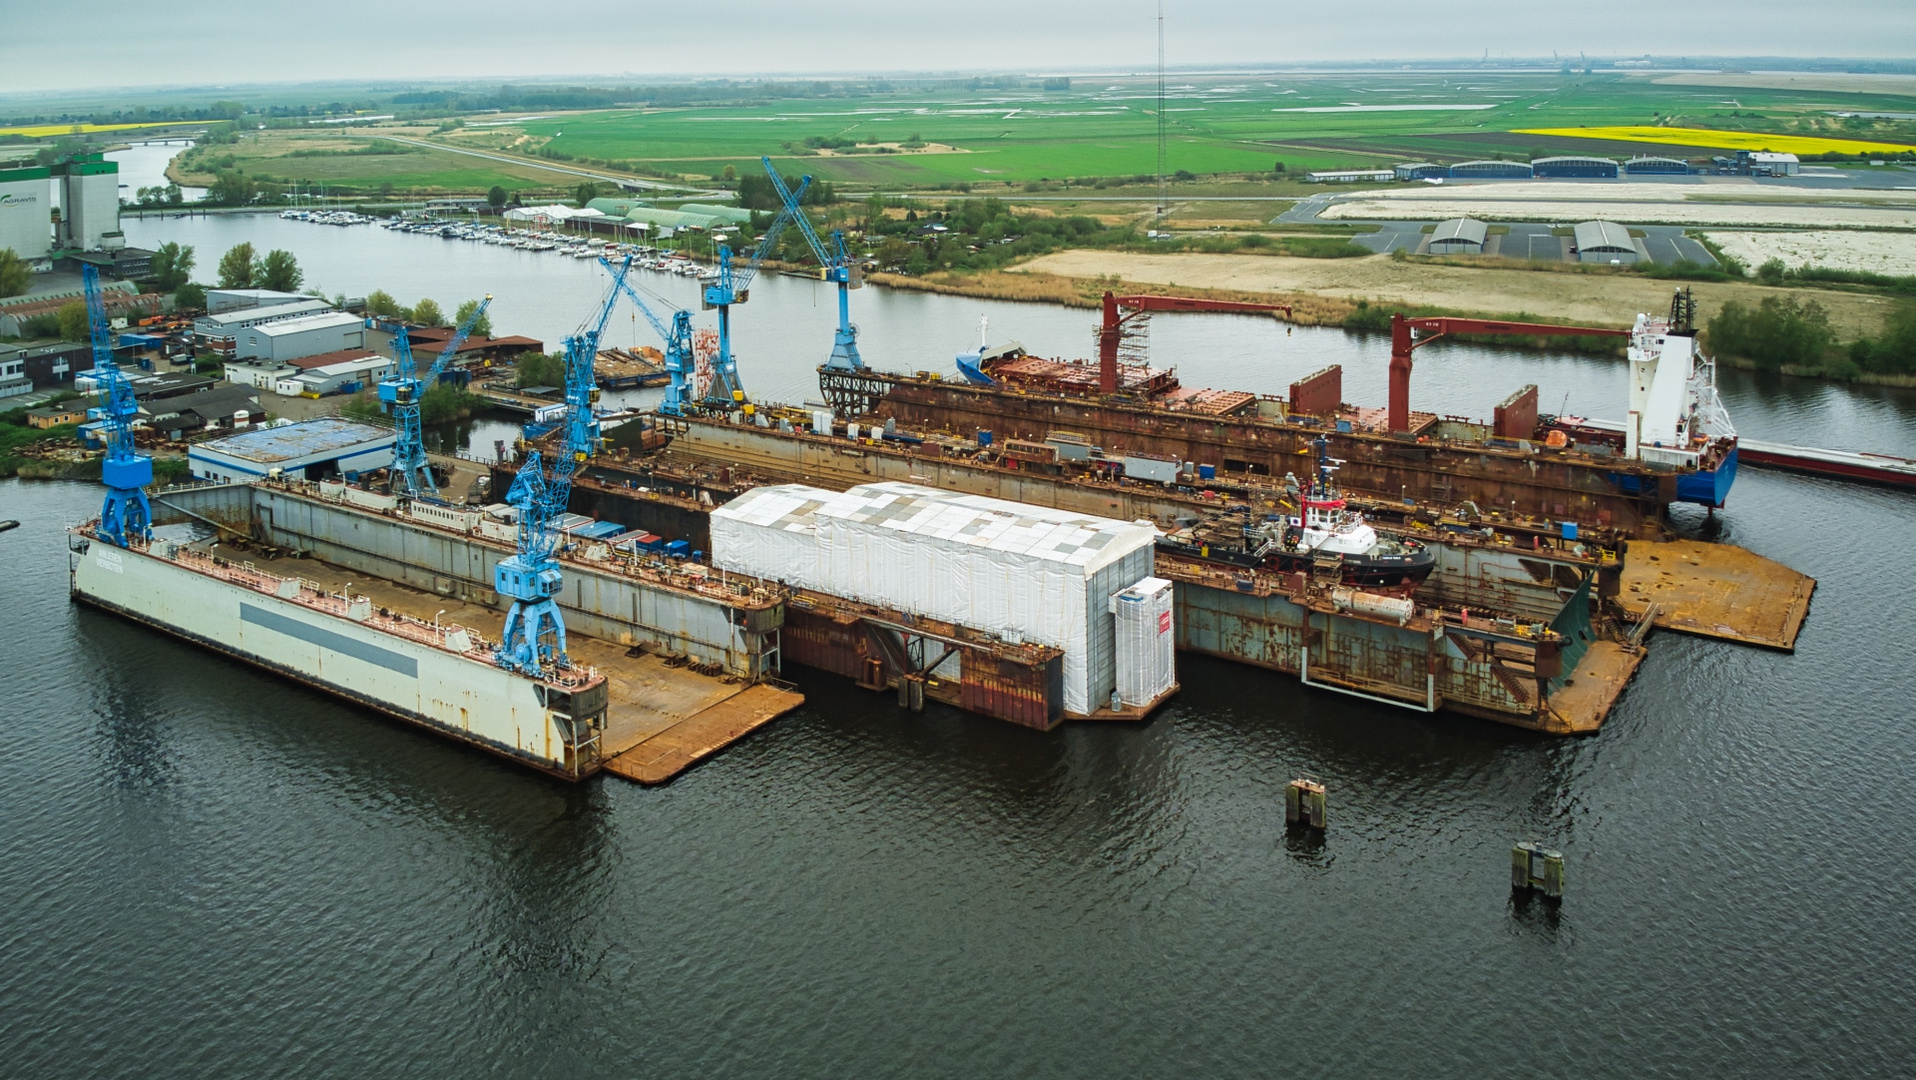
<point x="1023" y="572"/>
<point x="304" y="335"/>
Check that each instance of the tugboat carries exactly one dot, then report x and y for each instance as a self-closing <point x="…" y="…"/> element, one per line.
<point x="1327" y="536"/>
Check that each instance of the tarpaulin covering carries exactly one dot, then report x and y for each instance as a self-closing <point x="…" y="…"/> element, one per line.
<point x="1023" y="572"/>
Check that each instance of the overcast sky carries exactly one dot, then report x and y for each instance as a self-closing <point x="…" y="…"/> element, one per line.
<point x="62" y="44"/>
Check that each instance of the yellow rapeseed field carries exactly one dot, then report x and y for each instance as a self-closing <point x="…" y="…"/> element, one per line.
<point x="41" y="131"/>
<point x="1724" y="140"/>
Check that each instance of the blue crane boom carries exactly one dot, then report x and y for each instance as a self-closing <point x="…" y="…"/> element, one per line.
<point x="839" y="267"/>
<point x="677" y="337"/>
<point x="735" y="287"/>
<point x="402" y="393"/>
<point x="534" y="635"/>
<point x="125" y="515"/>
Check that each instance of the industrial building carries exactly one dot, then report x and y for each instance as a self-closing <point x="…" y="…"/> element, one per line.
<point x="89" y="203"/>
<point x="302" y="335"/>
<point x="1459" y="236"/>
<point x="314" y="450"/>
<point x="1656" y="166"/>
<point x="50" y="365"/>
<point x="225" y="407"/>
<point x="1421" y="170"/>
<point x="13" y="378"/>
<point x="266" y="374"/>
<point x="1491" y="170"/>
<point x="1351" y="176"/>
<point x="1765" y="163"/>
<point x="343" y="377"/>
<point x="220" y="333"/>
<point x="25" y="208"/>
<point x="1573" y="167"/>
<point x="1604" y="242"/>
<point x="221" y="301"/>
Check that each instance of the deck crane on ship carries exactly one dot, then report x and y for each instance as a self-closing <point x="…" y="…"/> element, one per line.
<point x="125" y="515"/>
<point x="680" y="393"/>
<point x="838" y="267"/>
<point x="734" y="286"/>
<point x="402" y="392"/>
<point x="534" y="636"/>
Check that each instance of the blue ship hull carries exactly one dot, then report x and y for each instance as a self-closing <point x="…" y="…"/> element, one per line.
<point x="1709" y="488"/>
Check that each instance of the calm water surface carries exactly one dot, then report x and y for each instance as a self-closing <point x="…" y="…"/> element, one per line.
<point x="209" y="871"/>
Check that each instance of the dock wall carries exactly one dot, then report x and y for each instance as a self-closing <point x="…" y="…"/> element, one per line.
<point x="600" y="604"/>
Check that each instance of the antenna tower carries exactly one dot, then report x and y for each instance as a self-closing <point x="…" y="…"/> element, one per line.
<point x="1162" y="131"/>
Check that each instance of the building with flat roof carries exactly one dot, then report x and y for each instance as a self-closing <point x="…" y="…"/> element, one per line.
<point x="313" y="450"/>
<point x="1351" y="176"/>
<point x="1459" y="236"/>
<point x="89" y="203"/>
<point x="220" y="333"/>
<point x="1604" y="242"/>
<point x="26" y="205"/>
<point x="302" y="335"/>
<point x="343" y="377"/>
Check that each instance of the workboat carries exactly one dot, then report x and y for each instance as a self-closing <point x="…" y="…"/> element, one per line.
<point x="1326" y="537"/>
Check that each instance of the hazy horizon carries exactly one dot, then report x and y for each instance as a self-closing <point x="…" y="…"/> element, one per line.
<point x="218" y="43"/>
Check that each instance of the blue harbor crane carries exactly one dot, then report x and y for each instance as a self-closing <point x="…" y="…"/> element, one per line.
<point x="839" y="268"/>
<point x="125" y="515"/>
<point x="402" y="391"/>
<point x="677" y="337"/>
<point x="735" y="287"/>
<point x="534" y="635"/>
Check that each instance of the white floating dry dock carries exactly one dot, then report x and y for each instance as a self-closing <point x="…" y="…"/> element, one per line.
<point x="442" y="677"/>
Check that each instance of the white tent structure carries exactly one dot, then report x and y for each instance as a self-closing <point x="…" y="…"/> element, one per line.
<point x="1024" y="572"/>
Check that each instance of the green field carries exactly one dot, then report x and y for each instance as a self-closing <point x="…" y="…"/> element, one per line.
<point x="1244" y="125"/>
<point x="1221" y="131"/>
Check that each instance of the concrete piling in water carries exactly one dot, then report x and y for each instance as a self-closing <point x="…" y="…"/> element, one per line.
<point x="1304" y="804"/>
<point x="1535" y="867"/>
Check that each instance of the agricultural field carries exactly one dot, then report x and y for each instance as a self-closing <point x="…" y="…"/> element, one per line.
<point x="1222" y="132"/>
<point x="1246" y="125"/>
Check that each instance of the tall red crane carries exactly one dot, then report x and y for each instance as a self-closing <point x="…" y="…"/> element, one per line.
<point x="1111" y="331"/>
<point x="1404" y="338"/>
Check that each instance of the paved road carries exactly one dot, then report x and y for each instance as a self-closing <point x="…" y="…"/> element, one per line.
<point x="627" y="182"/>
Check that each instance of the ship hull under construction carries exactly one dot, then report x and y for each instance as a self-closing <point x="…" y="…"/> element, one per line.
<point x="1611" y="493"/>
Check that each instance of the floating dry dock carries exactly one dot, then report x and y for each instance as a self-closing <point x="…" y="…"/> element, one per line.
<point x="682" y="666"/>
<point x="1521" y="623"/>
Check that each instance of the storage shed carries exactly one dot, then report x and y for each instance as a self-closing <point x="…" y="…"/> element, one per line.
<point x="1024" y="572"/>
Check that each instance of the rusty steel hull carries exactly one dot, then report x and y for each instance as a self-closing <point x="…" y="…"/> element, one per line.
<point x="1611" y="493"/>
<point x="1028" y="691"/>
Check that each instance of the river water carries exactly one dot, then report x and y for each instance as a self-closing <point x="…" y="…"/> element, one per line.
<point x="209" y="871"/>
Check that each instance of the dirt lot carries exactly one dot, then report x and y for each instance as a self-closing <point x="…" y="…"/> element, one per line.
<point x="1878" y="253"/>
<point x="1595" y="299"/>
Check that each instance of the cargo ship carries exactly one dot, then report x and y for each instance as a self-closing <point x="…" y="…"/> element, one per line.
<point x="1677" y="446"/>
<point x="441" y="677"/>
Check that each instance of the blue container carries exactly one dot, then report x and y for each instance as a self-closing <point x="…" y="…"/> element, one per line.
<point x="678" y="549"/>
<point x="1569" y="530"/>
<point x="984" y="437"/>
<point x="1343" y="427"/>
<point x="1207" y="472"/>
